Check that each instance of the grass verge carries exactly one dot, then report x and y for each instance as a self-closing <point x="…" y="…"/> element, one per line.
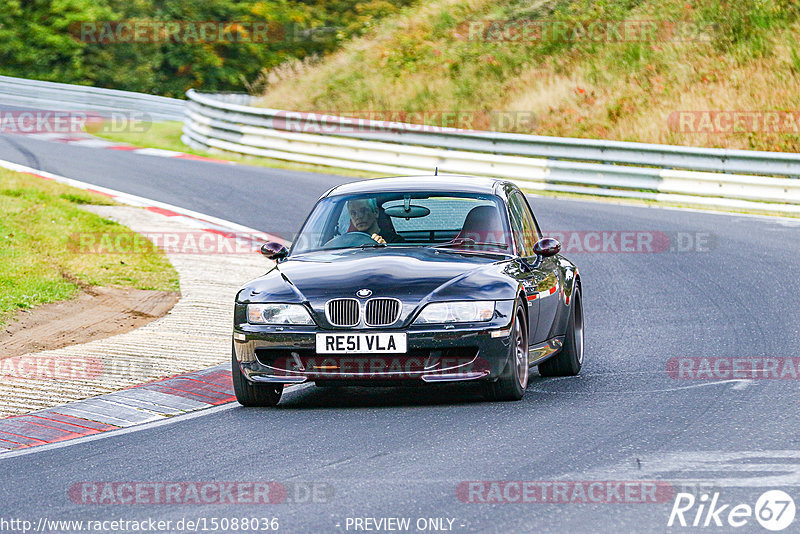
<point x="37" y="264"/>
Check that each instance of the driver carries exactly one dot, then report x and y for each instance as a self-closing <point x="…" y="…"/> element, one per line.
<point x="364" y="218"/>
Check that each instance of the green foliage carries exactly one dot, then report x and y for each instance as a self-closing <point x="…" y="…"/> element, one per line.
<point x="41" y="39"/>
<point x="746" y="27"/>
<point x="795" y="59"/>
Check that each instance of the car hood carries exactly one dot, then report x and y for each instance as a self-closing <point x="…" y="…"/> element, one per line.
<point x="415" y="275"/>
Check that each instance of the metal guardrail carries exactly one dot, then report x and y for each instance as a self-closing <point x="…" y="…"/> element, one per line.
<point x="635" y="170"/>
<point x="608" y="168"/>
<point x="594" y="150"/>
<point x="22" y="92"/>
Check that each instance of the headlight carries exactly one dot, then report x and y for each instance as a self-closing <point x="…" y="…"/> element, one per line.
<point x="468" y="311"/>
<point x="277" y="314"/>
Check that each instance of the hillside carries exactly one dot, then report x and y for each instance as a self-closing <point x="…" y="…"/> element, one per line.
<point x="674" y="73"/>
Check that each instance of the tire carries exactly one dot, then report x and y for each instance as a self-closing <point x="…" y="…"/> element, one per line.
<point x="511" y="385"/>
<point x="570" y="360"/>
<point x="253" y="395"/>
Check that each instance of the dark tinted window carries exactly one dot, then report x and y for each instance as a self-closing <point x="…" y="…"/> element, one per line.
<point x="455" y="220"/>
<point x="528" y="236"/>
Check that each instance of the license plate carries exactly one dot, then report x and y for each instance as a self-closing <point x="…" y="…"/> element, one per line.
<point x="378" y="343"/>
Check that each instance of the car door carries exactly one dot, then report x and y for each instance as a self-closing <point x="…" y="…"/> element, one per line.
<point x="547" y="277"/>
<point x="523" y="269"/>
<point x="544" y="275"/>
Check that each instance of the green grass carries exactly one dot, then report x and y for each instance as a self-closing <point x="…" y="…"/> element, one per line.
<point x="164" y="135"/>
<point x="167" y="136"/>
<point x="733" y="55"/>
<point x="39" y="223"/>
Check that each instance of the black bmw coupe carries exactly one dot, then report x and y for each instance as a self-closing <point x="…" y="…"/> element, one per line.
<point x="410" y="280"/>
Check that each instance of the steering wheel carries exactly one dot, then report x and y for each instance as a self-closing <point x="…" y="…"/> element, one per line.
<point x="350" y="239"/>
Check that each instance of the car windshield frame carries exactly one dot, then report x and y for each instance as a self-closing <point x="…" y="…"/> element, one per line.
<point x="507" y="249"/>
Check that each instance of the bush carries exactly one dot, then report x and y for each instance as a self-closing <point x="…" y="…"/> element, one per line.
<point x="39" y="39"/>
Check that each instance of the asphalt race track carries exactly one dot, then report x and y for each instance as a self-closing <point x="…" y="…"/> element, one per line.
<point x="725" y="287"/>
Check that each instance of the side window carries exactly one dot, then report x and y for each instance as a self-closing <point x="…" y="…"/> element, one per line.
<point x="517" y="229"/>
<point x="526" y="209"/>
<point x="343" y="224"/>
<point x="522" y="213"/>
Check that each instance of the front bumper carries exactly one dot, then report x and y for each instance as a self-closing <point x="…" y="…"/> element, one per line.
<point x="287" y="355"/>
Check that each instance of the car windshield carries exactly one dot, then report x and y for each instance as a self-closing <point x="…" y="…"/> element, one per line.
<point x="461" y="221"/>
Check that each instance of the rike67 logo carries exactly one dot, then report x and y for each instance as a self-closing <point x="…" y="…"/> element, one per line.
<point x="774" y="510"/>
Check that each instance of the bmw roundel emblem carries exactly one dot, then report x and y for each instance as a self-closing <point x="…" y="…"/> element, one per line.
<point x="363" y="293"/>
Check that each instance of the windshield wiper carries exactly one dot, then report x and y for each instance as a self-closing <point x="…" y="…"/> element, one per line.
<point x="372" y="245"/>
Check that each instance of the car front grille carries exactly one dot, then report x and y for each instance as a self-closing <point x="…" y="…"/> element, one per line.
<point x="381" y="312"/>
<point x="343" y="312"/>
<point x="377" y="312"/>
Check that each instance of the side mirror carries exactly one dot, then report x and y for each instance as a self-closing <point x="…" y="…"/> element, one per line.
<point x="546" y="247"/>
<point x="274" y="251"/>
